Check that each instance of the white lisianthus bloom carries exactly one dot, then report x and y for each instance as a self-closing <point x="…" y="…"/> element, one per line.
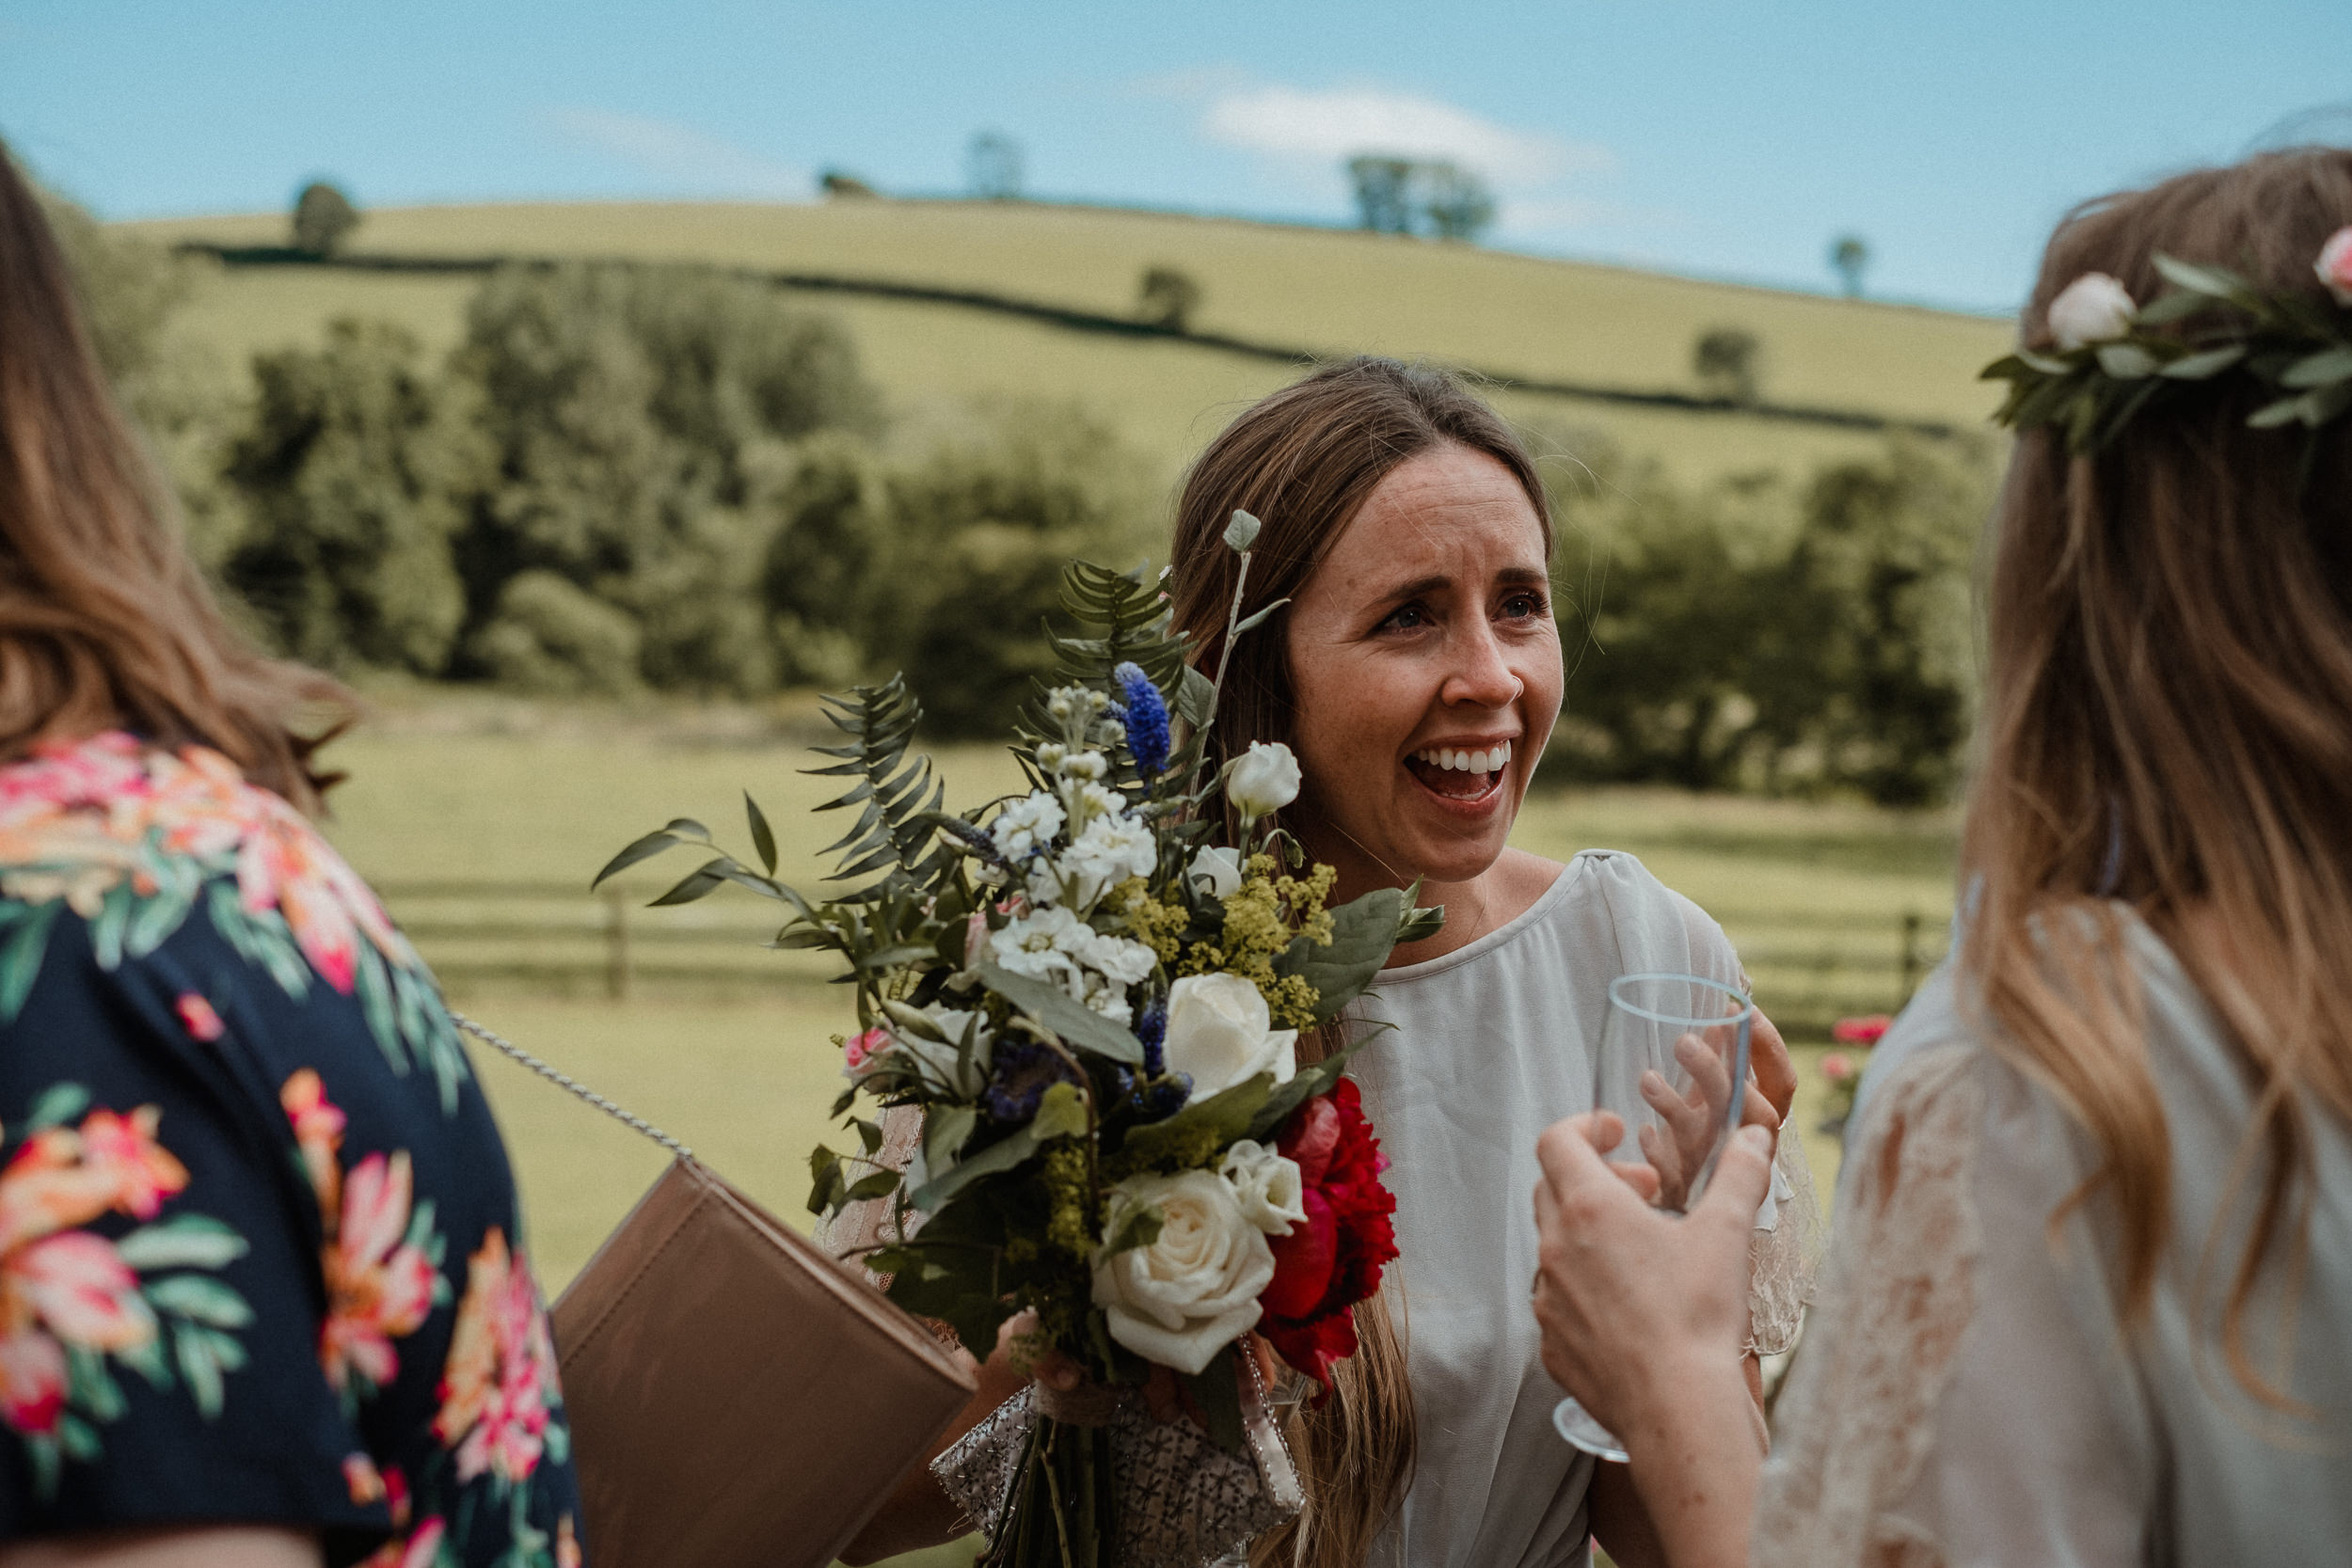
<point x="2335" y="264"/>
<point x="2093" y="309"/>
<point x="1027" y="825"/>
<point x="1216" y="871"/>
<point x="1264" y="779"/>
<point x="1193" y="1289"/>
<point x="1119" y="960"/>
<point x="1272" y="1193"/>
<point x="1105" y="996"/>
<point x="1112" y="849"/>
<point x="1044" y="943"/>
<point x="1220" y="1033"/>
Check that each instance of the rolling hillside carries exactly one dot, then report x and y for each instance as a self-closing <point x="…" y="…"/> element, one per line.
<point x="1324" y="290"/>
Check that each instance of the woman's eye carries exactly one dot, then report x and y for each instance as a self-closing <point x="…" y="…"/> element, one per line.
<point x="1409" y="617"/>
<point x="1523" y="606"/>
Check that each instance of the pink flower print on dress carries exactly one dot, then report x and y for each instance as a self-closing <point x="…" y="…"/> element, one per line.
<point x="32" y="1380"/>
<point x="318" y="1128"/>
<point x="379" y="1286"/>
<point x="80" y="1289"/>
<point x="198" y="1019"/>
<point x="500" y="1376"/>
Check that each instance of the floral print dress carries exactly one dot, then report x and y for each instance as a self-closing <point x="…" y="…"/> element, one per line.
<point x="261" y="1259"/>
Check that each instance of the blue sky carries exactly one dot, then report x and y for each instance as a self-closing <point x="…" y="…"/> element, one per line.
<point x="1721" y="137"/>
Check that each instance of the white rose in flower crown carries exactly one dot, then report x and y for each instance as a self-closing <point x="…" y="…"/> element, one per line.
<point x="2093" y="309"/>
<point x="2335" y="264"/>
<point x="1272" y="1191"/>
<point x="1265" y="779"/>
<point x="1221" y="1032"/>
<point x="1193" y="1289"/>
<point x="1216" y="871"/>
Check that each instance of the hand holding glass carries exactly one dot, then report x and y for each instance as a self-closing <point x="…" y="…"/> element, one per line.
<point x="1699" y="1030"/>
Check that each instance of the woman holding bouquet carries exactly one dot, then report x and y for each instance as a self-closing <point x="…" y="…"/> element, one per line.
<point x="1406" y="656"/>
<point x="2087" y="1299"/>
<point x="1416" y="674"/>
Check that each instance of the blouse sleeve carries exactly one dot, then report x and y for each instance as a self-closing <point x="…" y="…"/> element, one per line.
<point x="161" y="1299"/>
<point x="1963" y="1396"/>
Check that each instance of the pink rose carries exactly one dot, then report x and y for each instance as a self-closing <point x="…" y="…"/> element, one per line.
<point x="1860" y="1031"/>
<point x="2335" y="264"/>
<point x="863" y="1048"/>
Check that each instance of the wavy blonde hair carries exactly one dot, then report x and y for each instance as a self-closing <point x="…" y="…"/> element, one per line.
<point x="2168" y="720"/>
<point x="105" y="621"/>
<point x="1303" y="460"/>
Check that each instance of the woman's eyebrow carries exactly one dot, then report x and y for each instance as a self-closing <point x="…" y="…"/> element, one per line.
<point x="1417" y="587"/>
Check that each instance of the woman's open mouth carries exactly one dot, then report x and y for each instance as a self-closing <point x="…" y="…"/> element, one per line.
<point x="1466" y="776"/>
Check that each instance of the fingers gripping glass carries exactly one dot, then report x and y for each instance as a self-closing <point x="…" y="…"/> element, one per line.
<point x="1695" y="1034"/>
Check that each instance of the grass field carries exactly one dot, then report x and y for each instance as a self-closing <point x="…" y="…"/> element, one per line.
<point x="1327" y="290"/>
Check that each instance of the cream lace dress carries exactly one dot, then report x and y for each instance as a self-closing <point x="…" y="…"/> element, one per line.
<point x="1493" y="1043"/>
<point x="1965" y="1395"/>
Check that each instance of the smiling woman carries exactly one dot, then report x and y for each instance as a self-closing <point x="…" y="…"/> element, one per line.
<point x="1410" y="660"/>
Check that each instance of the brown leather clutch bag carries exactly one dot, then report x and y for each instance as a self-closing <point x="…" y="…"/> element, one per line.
<point x="737" y="1398"/>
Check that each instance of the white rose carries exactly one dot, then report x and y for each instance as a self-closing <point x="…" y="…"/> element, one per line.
<point x="2093" y="309"/>
<point x="1272" y="1191"/>
<point x="1264" y="779"/>
<point x="1220" y="1032"/>
<point x="1217" y="872"/>
<point x="2335" y="264"/>
<point x="1193" y="1289"/>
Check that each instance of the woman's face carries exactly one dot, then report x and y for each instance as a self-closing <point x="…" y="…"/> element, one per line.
<point x="1427" y="669"/>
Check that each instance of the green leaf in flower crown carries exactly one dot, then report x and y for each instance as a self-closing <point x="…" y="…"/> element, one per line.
<point x="1241" y="531"/>
<point x="2203" y="366"/>
<point x="1055" y="1008"/>
<point x="2318" y="370"/>
<point x="2214" y="283"/>
<point x="2272" y="414"/>
<point x="2171" y="308"/>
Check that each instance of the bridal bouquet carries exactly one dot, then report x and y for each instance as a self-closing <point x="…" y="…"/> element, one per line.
<point x="1092" y="992"/>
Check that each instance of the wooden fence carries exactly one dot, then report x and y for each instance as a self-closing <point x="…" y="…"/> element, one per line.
<point x="1810" y="967"/>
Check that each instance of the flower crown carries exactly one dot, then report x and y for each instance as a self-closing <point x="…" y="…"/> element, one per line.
<point x="2109" y="362"/>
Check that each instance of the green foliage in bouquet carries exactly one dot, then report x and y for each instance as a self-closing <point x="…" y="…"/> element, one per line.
<point x="1094" y="1005"/>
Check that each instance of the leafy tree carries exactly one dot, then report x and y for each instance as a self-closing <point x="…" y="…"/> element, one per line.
<point x="1167" y="298"/>
<point x="553" y="638"/>
<point x="978" y="534"/>
<point x="1455" y="202"/>
<point x="828" y="534"/>
<point x="1726" y="361"/>
<point x="841" y="184"/>
<point x="351" y="472"/>
<point x="1848" y="255"/>
<point x="323" y="218"/>
<point x="1383" y="186"/>
<point x="640" y="416"/>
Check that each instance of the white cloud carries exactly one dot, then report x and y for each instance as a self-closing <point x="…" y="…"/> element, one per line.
<point x="681" y="157"/>
<point x="1325" y="125"/>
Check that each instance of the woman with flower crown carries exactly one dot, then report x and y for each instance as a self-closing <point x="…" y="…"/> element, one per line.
<point x="1391" y="707"/>
<point x="264" y="1297"/>
<point x="2086" y="1298"/>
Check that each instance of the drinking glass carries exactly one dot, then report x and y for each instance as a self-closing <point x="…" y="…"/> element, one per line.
<point x="1693" y="1034"/>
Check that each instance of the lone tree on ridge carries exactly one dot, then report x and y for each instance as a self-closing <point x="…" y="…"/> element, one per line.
<point x="322" y="216"/>
<point x="1849" y="254"/>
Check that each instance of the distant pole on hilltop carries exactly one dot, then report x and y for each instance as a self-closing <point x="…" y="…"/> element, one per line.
<point x="993" y="166"/>
<point x="1849" y="254"/>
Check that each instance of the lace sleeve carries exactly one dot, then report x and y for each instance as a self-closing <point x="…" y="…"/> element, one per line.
<point x="1783" y="1258"/>
<point x="862" y="1226"/>
<point x="1897" y="1294"/>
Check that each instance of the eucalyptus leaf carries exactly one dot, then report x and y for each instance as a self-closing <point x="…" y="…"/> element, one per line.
<point x="2318" y="370"/>
<point x="1256" y="616"/>
<point x="1226" y="1115"/>
<point x="2197" y="367"/>
<point x="1363" y="935"/>
<point x="1055" y="1008"/>
<point x="1241" y="532"/>
<point x="1309" y="1082"/>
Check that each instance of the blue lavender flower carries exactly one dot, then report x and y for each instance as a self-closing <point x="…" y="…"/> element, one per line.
<point x="1146" y="718"/>
<point x="1019" y="1076"/>
<point x="1152" y="1029"/>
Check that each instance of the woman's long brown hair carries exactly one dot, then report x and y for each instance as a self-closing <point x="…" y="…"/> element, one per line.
<point x="2168" y="720"/>
<point x="104" y="619"/>
<point x="1303" y="460"/>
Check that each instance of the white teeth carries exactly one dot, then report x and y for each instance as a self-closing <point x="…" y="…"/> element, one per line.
<point x="1452" y="760"/>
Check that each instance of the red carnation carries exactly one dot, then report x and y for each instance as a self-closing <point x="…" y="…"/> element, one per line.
<point x="1326" y="1266"/>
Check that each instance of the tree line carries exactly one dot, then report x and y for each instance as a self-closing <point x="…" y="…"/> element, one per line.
<point x="630" y="478"/>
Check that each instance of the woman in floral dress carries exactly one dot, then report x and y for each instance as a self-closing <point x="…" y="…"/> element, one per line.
<point x="263" y="1291"/>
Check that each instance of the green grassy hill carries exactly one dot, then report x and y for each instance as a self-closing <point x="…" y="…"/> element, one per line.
<point x="1325" y="290"/>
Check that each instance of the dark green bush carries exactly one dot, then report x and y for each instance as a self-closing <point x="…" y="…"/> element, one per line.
<point x="351" y="472"/>
<point x="552" y="638"/>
